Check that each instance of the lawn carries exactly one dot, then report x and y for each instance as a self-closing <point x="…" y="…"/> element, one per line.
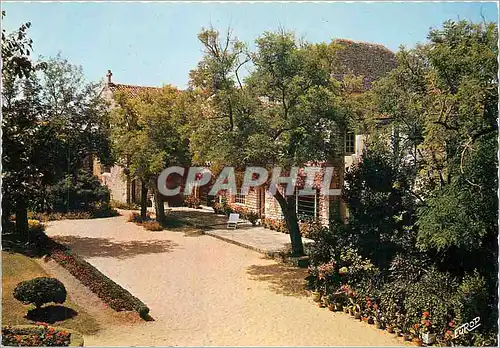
<point x="16" y="268"/>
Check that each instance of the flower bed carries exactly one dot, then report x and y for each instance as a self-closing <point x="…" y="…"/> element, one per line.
<point x="40" y="335"/>
<point x="275" y="225"/>
<point x="107" y="290"/>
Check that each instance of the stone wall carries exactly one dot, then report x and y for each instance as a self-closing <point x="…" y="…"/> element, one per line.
<point x="114" y="180"/>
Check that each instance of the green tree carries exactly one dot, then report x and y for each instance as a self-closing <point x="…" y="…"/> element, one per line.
<point x="20" y="109"/>
<point x="288" y="112"/>
<point x="442" y="101"/>
<point x="147" y="133"/>
<point x="73" y="127"/>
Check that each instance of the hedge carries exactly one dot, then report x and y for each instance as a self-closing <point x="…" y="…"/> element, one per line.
<point x="107" y="290"/>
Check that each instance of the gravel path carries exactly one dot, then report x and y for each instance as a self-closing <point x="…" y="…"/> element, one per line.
<point x="200" y="292"/>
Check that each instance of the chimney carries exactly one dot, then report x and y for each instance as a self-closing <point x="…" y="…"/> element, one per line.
<point x="108" y="75"/>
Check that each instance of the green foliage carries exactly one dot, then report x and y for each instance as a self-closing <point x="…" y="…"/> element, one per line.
<point x="380" y="207"/>
<point x="80" y="192"/>
<point x="16" y="49"/>
<point x="423" y="202"/>
<point x="252" y="217"/>
<point x="52" y="119"/>
<point x="39" y="291"/>
<point x="222" y="208"/>
<point x="147" y="135"/>
<point x="288" y="112"/>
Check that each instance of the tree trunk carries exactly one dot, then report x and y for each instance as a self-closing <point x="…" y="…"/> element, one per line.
<point x="287" y="205"/>
<point x="159" y="206"/>
<point x="144" y="200"/>
<point x="21" y="217"/>
<point x="128" y="188"/>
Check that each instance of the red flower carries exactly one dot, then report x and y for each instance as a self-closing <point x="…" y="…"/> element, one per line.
<point x="416" y="326"/>
<point x="375" y="306"/>
<point x="451" y="323"/>
<point x="427" y="323"/>
<point x="426" y="314"/>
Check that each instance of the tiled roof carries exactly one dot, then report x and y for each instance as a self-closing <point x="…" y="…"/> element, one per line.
<point x="132" y="90"/>
<point x="372" y="61"/>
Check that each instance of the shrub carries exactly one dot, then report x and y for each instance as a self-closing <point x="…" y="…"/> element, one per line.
<point x="152" y="225"/>
<point x="78" y="192"/>
<point x="252" y="217"/>
<point x="124" y="206"/>
<point x="433" y="293"/>
<point x="192" y="202"/>
<point x="38" y="335"/>
<point x="35" y="226"/>
<point x="222" y="208"/>
<point x="136" y="217"/>
<point x="39" y="291"/>
<point x="275" y="224"/>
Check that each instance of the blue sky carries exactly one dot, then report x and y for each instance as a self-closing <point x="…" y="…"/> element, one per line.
<point x="155" y="43"/>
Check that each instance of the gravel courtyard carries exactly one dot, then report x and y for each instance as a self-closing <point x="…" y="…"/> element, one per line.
<point x="203" y="291"/>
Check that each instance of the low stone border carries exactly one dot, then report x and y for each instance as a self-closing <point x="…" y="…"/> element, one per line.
<point x="280" y="255"/>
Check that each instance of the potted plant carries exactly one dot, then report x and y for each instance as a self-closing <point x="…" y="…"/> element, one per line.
<point x="357" y="312"/>
<point x="389" y="327"/>
<point x="252" y="217"/>
<point x="428" y="335"/>
<point x="378" y="318"/>
<point x="316" y="296"/>
<point x="415" y="331"/>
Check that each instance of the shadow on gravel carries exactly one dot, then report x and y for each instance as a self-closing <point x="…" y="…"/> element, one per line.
<point x="283" y="279"/>
<point x="103" y="247"/>
<point x="51" y="314"/>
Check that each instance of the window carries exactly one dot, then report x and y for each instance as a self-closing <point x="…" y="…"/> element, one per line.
<point x="239" y="198"/>
<point x="350" y="143"/>
<point x="307" y="206"/>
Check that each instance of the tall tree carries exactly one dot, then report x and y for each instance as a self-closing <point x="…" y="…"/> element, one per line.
<point x="20" y="110"/>
<point x="442" y="99"/>
<point x="147" y="132"/>
<point x="287" y="113"/>
<point x="74" y="125"/>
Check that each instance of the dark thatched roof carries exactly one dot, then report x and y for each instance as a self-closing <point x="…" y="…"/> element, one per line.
<point x="372" y="61"/>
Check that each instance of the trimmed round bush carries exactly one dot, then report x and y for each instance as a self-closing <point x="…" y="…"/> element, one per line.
<point x="39" y="291"/>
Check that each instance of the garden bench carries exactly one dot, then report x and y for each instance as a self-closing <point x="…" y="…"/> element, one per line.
<point x="233" y="220"/>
